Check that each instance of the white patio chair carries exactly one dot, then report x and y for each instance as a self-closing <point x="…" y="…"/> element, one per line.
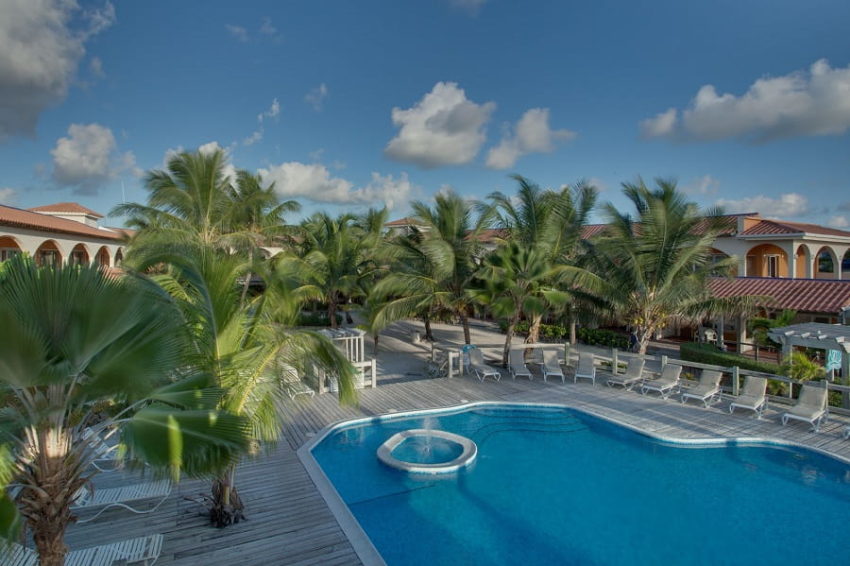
<point x="811" y="406"/>
<point x="633" y="375"/>
<point x="846" y="432"/>
<point x="666" y="384"/>
<point x="103" y="499"/>
<point x="106" y="454"/>
<point x="482" y="370"/>
<point x="516" y="364"/>
<point x="551" y="365"/>
<point x="141" y="551"/>
<point x="707" y="390"/>
<point x="586" y="367"/>
<point x="753" y="396"/>
<point x="292" y="384"/>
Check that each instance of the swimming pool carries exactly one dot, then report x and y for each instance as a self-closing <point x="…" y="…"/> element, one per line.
<point x="558" y="486"/>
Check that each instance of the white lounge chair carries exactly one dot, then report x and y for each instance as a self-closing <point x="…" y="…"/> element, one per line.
<point x="753" y="397"/>
<point x="551" y="365"/>
<point x="482" y="370"/>
<point x="707" y="390"/>
<point x="811" y="406"/>
<point x="103" y="499"/>
<point x="586" y="367"/>
<point x="138" y="551"/>
<point x="633" y="375"/>
<point x="846" y="432"/>
<point x="292" y="384"/>
<point x="106" y="453"/>
<point x="665" y="384"/>
<point x="516" y="364"/>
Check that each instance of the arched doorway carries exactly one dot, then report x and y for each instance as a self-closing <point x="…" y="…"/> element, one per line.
<point x="79" y="255"/>
<point x="102" y="257"/>
<point x="119" y="257"/>
<point x="767" y="260"/>
<point x="803" y="262"/>
<point x="48" y="254"/>
<point x="9" y="248"/>
<point x="845" y="265"/>
<point x="826" y="264"/>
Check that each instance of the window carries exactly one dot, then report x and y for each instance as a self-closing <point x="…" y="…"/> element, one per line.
<point x="772" y="265"/>
<point x="8" y="253"/>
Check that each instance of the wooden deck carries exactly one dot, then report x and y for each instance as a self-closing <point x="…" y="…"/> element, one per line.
<point x="289" y="522"/>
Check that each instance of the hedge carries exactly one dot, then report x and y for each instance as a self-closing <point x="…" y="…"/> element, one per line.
<point x="590" y="336"/>
<point x="317" y="319"/>
<point x="708" y="354"/>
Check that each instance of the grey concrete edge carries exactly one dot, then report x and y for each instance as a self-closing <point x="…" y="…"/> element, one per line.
<point x="361" y="542"/>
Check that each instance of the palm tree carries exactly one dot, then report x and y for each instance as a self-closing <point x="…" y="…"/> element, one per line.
<point x="652" y="269"/>
<point x="188" y="200"/>
<point x="548" y="221"/>
<point x="759" y="326"/>
<point x="243" y="343"/>
<point x="515" y="281"/>
<point x="80" y="349"/>
<point x="336" y="255"/>
<point x="446" y="251"/>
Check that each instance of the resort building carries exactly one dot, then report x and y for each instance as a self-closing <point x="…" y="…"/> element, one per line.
<point x="65" y="233"/>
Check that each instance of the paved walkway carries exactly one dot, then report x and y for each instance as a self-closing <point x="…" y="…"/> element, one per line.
<point x="290" y="524"/>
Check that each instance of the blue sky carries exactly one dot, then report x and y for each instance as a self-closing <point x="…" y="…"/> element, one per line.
<point x="347" y="105"/>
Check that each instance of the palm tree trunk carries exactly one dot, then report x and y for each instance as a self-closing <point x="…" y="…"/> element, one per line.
<point x="534" y="329"/>
<point x="332" y="310"/>
<point x="509" y="337"/>
<point x="464" y="321"/>
<point x="573" y="337"/>
<point x="428" y="334"/>
<point x="644" y="334"/>
<point x="247" y="279"/>
<point x="226" y="505"/>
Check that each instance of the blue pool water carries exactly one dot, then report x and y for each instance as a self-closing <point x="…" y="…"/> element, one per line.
<point x="557" y="486"/>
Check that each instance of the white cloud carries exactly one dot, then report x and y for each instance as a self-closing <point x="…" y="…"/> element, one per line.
<point x="41" y="45"/>
<point x="471" y="6"/>
<point x="88" y="158"/>
<point x="787" y="204"/>
<point x="237" y="32"/>
<point x="444" y="128"/>
<point x="532" y="134"/>
<point x="705" y="185"/>
<point x="596" y="182"/>
<point x="314" y="182"/>
<point x="316" y="97"/>
<point x="96" y="67"/>
<point x="803" y="103"/>
<point x="257" y="135"/>
<point x="205" y="149"/>
<point x="839" y="222"/>
<point x="267" y="28"/>
<point x="8" y="195"/>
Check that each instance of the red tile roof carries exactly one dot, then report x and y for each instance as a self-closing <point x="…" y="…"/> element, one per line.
<point x="407" y="221"/>
<point x="490" y="234"/>
<point x="10" y="216"/>
<point x="66" y="207"/>
<point x="805" y="295"/>
<point x="774" y="227"/>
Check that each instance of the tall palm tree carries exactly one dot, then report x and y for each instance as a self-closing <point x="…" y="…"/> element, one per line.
<point x="547" y="220"/>
<point x="243" y="344"/>
<point x="190" y="199"/>
<point x="336" y="255"/>
<point x="517" y="280"/>
<point x="80" y="349"/>
<point x="652" y="268"/>
<point x="446" y="251"/>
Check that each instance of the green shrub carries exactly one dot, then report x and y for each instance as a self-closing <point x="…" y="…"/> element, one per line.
<point x="708" y="354"/>
<point x="317" y="319"/>
<point x="601" y="337"/>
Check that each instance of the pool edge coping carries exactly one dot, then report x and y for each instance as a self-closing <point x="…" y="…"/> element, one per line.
<point x="363" y="545"/>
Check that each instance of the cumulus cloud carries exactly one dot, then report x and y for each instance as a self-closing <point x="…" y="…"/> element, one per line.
<point x="838" y="221"/>
<point x="803" y="103"/>
<point x="444" y="128"/>
<point x="96" y="67"/>
<point x="314" y="182"/>
<point x="237" y="32"/>
<point x="257" y="135"/>
<point x="316" y="97"/>
<point x="531" y="134"/>
<point x="705" y="185"/>
<point x="8" y="195"/>
<point x="267" y="28"/>
<point x="204" y="149"/>
<point x="88" y="158"/>
<point x="41" y="45"/>
<point x="787" y="204"/>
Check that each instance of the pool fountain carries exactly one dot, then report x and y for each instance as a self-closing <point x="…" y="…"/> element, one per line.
<point x="427" y="451"/>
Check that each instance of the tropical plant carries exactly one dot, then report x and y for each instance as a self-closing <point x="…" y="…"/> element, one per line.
<point x="652" y="269"/>
<point x="516" y="281"/>
<point x="337" y="253"/>
<point x="549" y="221"/>
<point x="81" y="349"/>
<point x="244" y="343"/>
<point x="760" y="326"/>
<point x="444" y="256"/>
<point x="798" y="366"/>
